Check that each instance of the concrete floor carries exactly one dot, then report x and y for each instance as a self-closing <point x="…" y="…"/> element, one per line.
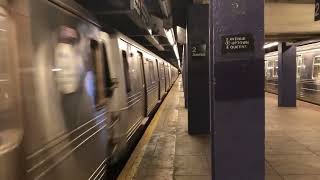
<point x="167" y="151"/>
<point x="292" y="141"/>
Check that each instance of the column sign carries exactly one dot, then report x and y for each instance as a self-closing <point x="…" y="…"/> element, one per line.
<point x="199" y="50"/>
<point x="316" y="10"/>
<point x="239" y="43"/>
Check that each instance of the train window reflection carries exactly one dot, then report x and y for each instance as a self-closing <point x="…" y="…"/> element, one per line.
<point x="67" y="68"/>
<point x="265" y="68"/>
<point x="300" y="65"/>
<point x="275" y="63"/>
<point x="269" y="68"/>
<point x="4" y="76"/>
<point x="151" y="67"/>
<point x="126" y="71"/>
<point x="3" y="51"/>
<point x="316" y="67"/>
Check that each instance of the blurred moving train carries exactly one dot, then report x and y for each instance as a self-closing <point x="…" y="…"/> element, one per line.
<point x="308" y="72"/>
<point x="72" y="98"/>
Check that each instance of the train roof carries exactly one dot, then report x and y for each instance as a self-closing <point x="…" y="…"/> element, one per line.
<point x="76" y="9"/>
<point x="134" y="43"/>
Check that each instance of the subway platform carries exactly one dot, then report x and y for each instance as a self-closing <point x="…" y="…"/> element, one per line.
<point x="292" y="141"/>
<point x="166" y="151"/>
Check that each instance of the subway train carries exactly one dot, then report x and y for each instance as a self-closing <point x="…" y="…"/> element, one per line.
<point x="308" y="72"/>
<point x="72" y="97"/>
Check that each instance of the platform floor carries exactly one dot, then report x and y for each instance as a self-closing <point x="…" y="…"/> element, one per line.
<point x="292" y="141"/>
<point x="166" y="150"/>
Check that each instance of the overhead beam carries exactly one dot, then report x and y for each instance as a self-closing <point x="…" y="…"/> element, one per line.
<point x="290" y="18"/>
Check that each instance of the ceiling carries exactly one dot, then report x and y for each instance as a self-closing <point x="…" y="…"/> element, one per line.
<point x="289" y="20"/>
<point x="285" y="20"/>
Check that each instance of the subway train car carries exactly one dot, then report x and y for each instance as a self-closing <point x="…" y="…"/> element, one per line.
<point x="72" y="98"/>
<point x="308" y="72"/>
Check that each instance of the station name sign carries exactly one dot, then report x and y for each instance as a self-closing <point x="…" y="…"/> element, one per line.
<point x="239" y="43"/>
<point x="199" y="50"/>
<point x="317" y="10"/>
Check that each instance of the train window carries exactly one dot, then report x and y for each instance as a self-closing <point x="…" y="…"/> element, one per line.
<point x="316" y="67"/>
<point x="266" y="68"/>
<point x="151" y="67"/>
<point x="5" y="94"/>
<point x="300" y="65"/>
<point x="126" y="71"/>
<point x="99" y="71"/>
<point x="275" y="72"/>
<point x="107" y="80"/>
<point x="67" y="62"/>
<point x="269" y="68"/>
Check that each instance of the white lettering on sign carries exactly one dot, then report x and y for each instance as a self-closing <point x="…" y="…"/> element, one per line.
<point x="199" y="50"/>
<point x="237" y="43"/>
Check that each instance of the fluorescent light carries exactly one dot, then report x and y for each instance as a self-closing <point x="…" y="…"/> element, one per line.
<point x="269" y="45"/>
<point x="170" y="36"/>
<point x="176" y="51"/>
<point x="155" y="42"/>
<point x="56" y="69"/>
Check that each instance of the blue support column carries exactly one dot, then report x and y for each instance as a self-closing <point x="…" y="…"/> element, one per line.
<point x="237" y="89"/>
<point x="198" y="70"/>
<point x="287" y="73"/>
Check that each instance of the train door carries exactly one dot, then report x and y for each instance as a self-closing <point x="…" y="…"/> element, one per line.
<point x="10" y="111"/>
<point x="162" y="79"/>
<point x="110" y="85"/>
<point x="165" y="77"/>
<point x="140" y="58"/>
<point x="159" y="84"/>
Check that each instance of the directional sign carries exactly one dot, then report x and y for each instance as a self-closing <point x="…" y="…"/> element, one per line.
<point x="238" y="43"/>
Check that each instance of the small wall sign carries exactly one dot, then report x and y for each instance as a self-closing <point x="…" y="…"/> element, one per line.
<point x="239" y="43"/>
<point x="199" y="50"/>
<point x="317" y="10"/>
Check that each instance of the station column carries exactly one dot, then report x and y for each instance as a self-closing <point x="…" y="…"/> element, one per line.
<point x="237" y="89"/>
<point x="198" y="62"/>
<point x="287" y="75"/>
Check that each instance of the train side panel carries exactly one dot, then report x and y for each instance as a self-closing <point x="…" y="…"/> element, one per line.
<point x="132" y="65"/>
<point x="308" y="76"/>
<point x="11" y="126"/>
<point x="64" y="122"/>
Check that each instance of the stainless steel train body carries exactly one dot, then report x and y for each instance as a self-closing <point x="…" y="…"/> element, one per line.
<point x="308" y="72"/>
<point x="71" y="97"/>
